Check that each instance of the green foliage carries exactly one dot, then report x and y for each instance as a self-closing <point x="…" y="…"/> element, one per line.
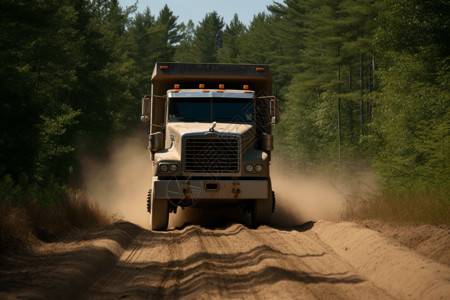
<point x="49" y="194"/>
<point x="25" y="191"/>
<point x="411" y="130"/>
<point x="151" y="40"/>
<point x="171" y="36"/>
<point x="208" y="38"/>
<point x="258" y="42"/>
<point x="144" y="38"/>
<point x="53" y="161"/>
<point x="67" y="80"/>
<point x="72" y="74"/>
<point x="12" y="192"/>
<point x="38" y="54"/>
<point x="409" y="138"/>
<point x="184" y="52"/>
<point x="322" y="42"/>
<point x="231" y="41"/>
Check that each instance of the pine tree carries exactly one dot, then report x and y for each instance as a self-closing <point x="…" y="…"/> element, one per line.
<point x="171" y="33"/>
<point x="147" y="44"/>
<point x="208" y="38"/>
<point x="289" y="31"/>
<point x="184" y="51"/>
<point x="65" y="76"/>
<point x="258" y="42"/>
<point x="231" y="38"/>
<point x="40" y="50"/>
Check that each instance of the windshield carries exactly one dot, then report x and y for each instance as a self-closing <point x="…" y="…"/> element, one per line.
<point x="225" y="110"/>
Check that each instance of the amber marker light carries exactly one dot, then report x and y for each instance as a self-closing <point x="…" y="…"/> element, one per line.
<point x="259" y="69"/>
<point x="245" y="87"/>
<point x="175" y="91"/>
<point x="201" y="86"/>
<point x="221" y="86"/>
<point x="205" y="91"/>
<point x="163" y="67"/>
<point x="219" y="91"/>
<point x="176" y="86"/>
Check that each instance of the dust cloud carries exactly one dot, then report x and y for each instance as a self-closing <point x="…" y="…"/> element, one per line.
<point x="119" y="185"/>
<point x="301" y="198"/>
<point x="120" y="182"/>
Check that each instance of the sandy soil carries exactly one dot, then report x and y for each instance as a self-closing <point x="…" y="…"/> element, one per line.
<point x="432" y="241"/>
<point x="321" y="260"/>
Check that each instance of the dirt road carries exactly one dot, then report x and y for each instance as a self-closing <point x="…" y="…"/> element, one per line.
<point x="322" y="260"/>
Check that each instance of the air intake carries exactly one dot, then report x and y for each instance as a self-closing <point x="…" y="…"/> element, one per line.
<point x="212" y="154"/>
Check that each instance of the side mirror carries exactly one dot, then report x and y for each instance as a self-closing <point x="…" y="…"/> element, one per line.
<point x="274" y="110"/>
<point x="145" y="115"/>
<point x="156" y="141"/>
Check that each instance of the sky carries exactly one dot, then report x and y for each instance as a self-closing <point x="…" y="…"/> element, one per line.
<point x="196" y="10"/>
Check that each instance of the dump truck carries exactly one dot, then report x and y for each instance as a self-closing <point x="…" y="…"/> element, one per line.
<point x="210" y="139"/>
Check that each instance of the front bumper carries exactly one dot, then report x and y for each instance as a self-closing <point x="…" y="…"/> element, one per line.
<point x="211" y="189"/>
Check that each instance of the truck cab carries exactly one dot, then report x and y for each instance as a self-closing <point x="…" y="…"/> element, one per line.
<point x="210" y="139"/>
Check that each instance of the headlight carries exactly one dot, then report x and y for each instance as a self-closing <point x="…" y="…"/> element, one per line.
<point x="164" y="168"/>
<point x="249" y="168"/>
<point x="167" y="167"/>
<point x="258" y="168"/>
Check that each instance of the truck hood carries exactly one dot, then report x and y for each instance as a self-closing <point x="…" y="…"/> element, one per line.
<point x="181" y="128"/>
<point x="176" y="131"/>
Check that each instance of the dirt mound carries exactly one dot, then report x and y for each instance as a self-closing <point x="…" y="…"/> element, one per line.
<point x="405" y="273"/>
<point x="63" y="269"/>
<point x="432" y="241"/>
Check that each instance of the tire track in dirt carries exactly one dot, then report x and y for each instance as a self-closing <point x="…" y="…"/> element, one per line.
<point x="233" y="262"/>
<point x="322" y="260"/>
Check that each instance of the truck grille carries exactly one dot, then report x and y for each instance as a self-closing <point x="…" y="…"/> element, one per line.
<point x="213" y="155"/>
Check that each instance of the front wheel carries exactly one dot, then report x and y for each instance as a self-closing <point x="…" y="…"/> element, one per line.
<point x="262" y="211"/>
<point x="159" y="217"/>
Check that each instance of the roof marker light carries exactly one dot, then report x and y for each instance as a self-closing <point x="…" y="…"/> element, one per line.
<point x="205" y="91"/>
<point x="219" y="91"/>
<point x="163" y="67"/>
<point x="259" y="69"/>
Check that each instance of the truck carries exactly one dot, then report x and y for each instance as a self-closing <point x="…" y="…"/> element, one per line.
<point x="210" y="139"/>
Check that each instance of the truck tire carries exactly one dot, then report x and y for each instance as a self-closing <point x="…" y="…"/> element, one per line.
<point x="159" y="217"/>
<point x="262" y="211"/>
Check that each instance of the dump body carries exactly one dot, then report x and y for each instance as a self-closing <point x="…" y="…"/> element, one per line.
<point x="210" y="138"/>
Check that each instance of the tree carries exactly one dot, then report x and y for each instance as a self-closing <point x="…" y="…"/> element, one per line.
<point x="66" y="76"/>
<point x="172" y="35"/>
<point x="147" y="44"/>
<point x="409" y="136"/>
<point x="320" y="41"/>
<point x="208" y="38"/>
<point x="40" y="50"/>
<point x="184" y="51"/>
<point x="231" y="39"/>
<point x="257" y="43"/>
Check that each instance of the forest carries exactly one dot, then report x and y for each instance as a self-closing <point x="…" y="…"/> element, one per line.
<point x="359" y="81"/>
